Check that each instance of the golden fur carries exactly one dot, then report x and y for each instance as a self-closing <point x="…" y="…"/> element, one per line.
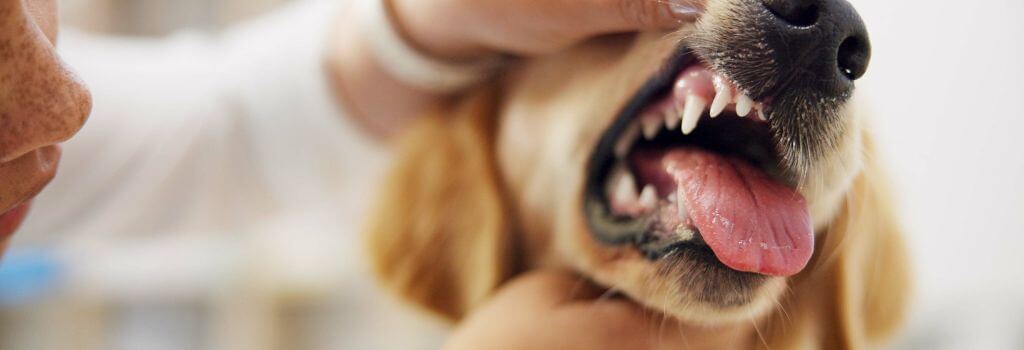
<point x="490" y="186"/>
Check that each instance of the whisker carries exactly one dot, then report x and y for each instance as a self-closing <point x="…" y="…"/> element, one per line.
<point x="782" y="308"/>
<point x="682" y="335"/>
<point x="662" y="288"/>
<point x="759" y="335"/>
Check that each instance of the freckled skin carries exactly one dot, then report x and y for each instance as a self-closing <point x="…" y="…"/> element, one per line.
<point x="42" y="103"/>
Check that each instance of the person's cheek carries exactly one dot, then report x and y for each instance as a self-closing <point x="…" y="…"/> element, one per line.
<point x="42" y="102"/>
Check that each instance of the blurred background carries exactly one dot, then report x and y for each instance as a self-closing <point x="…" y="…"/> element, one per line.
<point x="943" y="84"/>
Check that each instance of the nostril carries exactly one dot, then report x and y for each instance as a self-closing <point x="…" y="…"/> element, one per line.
<point x="801" y="13"/>
<point x="853" y="57"/>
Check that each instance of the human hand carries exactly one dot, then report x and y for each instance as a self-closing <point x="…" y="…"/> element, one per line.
<point x="41" y="104"/>
<point x="560" y="310"/>
<point x="473" y="28"/>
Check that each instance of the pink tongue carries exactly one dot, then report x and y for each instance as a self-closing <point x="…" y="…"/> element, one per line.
<point x="749" y="220"/>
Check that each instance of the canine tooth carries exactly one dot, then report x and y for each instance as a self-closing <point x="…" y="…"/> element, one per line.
<point x="691" y="113"/>
<point x="671" y="118"/>
<point x="681" y="206"/>
<point x="759" y="108"/>
<point x="648" y="197"/>
<point x="723" y="96"/>
<point x="627" y="139"/>
<point x="743" y="105"/>
<point x="651" y="124"/>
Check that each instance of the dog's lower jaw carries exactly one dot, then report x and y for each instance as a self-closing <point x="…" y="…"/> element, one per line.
<point x="622" y="269"/>
<point x="767" y="296"/>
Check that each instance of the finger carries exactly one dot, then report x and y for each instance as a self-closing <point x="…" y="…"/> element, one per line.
<point x="548" y="288"/>
<point x="632" y="15"/>
<point x="561" y="310"/>
<point x="548" y="310"/>
<point x="612" y="324"/>
<point x="580" y="315"/>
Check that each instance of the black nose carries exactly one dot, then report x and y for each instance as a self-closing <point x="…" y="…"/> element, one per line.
<point x="825" y="38"/>
<point x="801" y="13"/>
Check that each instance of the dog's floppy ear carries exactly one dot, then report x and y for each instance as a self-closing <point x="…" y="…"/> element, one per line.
<point x="874" y="271"/>
<point x="439" y="235"/>
<point x="857" y="292"/>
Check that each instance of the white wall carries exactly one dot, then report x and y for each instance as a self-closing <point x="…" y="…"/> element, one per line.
<point x="945" y="83"/>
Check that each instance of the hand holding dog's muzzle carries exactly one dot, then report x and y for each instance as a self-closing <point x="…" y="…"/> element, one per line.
<point x="384" y="88"/>
<point x="467" y="29"/>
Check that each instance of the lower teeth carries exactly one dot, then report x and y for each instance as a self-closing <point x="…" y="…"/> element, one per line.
<point x="681" y="206"/>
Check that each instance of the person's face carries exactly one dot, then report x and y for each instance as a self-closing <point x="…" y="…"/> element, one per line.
<point x="42" y="103"/>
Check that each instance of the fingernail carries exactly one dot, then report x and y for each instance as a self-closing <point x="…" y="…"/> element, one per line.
<point x="684" y="8"/>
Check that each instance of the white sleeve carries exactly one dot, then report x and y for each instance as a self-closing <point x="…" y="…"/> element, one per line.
<point x="212" y="162"/>
<point x="204" y="132"/>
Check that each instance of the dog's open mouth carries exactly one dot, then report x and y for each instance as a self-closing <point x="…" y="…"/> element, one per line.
<point x="690" y="164"/>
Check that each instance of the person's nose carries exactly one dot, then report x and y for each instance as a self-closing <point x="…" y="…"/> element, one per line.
<point x="42" y="102"/>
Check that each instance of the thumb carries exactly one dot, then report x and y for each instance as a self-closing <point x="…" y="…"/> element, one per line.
<point x="547" y="289"/>
<point x="634" y="15"/>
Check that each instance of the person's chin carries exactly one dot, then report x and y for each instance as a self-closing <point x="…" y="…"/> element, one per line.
<point x="26" y="176"/>
<point x="11" y="220"/>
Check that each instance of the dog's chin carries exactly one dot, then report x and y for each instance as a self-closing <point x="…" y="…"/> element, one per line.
<point x="688" y="284"/>
<point x="705" y="281"/>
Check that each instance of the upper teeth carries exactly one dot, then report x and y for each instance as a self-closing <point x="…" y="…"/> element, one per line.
<point x="684" y="111"/>
<point x="671" y="117"/>
<point x="696" y="92"/>
<point x="723" y="96"/>
<point x="743" y="105"/>
<point x="650" y="125"/>
<point x="691" y="112"/>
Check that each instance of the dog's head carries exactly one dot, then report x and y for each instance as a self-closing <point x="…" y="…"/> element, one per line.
<point x="719" y="174"/>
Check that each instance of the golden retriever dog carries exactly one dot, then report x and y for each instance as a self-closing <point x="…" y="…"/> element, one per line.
<point x="721" y="173"/>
